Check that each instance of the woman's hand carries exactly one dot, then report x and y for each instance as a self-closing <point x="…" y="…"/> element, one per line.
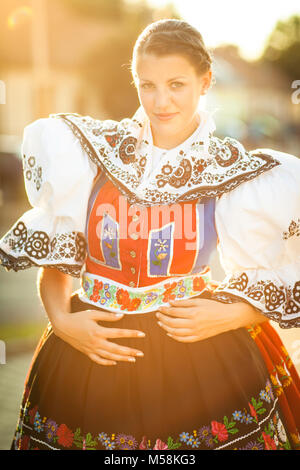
<point x="81" y="330"/>
<point x="193" y="320"/>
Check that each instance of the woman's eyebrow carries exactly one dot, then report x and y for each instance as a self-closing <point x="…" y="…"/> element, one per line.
<point x="170" y="80"/>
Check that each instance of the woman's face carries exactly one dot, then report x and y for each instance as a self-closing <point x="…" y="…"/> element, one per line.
<point x="169" y="90"/>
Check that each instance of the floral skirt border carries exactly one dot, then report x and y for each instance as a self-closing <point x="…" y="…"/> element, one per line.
<point x="283" y="374"/>
<point x="257" y="428"/>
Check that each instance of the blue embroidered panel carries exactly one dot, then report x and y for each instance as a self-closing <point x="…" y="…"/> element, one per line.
<point x="110" y="242"/>
<point x="160" y="250"/>
<point x="100" y="181"/>
<point x="208" y="238"/>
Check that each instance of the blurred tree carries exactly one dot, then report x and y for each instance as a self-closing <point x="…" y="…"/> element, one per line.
<point x="283" y="47"/>
<point x="107" y="66"/>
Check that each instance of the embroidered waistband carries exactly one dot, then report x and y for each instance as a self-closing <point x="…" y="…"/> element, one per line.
<point x="115" y="297"/>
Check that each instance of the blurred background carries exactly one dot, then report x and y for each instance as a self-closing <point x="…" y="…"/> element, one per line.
<point x="73" y="56"/>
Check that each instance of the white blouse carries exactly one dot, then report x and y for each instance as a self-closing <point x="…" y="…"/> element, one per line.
<point x="159" y="154"/>
<point x="258" y="222"/>
<point x="258" y="225"/>
<point x="58" y="178"/>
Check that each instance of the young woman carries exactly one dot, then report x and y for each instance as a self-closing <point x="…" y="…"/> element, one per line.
<point x="135" y="208"/>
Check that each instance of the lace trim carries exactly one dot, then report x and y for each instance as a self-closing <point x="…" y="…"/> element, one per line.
<point x="24" y="247"/>
<point x="88" y="148"/>
<point x="18" y="264"/>
<point x="211" y="184"/>
<point x="277" y="302"/>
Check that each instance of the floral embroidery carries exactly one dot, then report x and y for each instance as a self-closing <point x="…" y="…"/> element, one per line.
<point x="253" y="445"/>
<point x="126" y="303"/>
<point x="110" y="242"/>
<point x="160" y="252"/>
<point x="162" y="245"/>
<point x="278" y="301"/>
<point x="65" y="436"/>
<point x="127" y="150"/>
<point x="27" y="247"/>
<point x="198" y="284"/>
<point x="182" y="289"/>
<point x="178" y="177"/>
<point x="219" y="430"/>
<point x="148" y="298"/>
<point x="261" y="421"/>
<point x="294" y="229"/>
<point x="114" y="148"/>
<point x="32" y="172"/>
<point x="225" y="155"/>
<point x="160" y="249"/>
<point x="108" y="232"/>
<point x="50" y="430"/>
<point x="280" y="374"/>
<point x="169" y="292"/>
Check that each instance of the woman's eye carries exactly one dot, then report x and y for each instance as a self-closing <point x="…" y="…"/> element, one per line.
<point x="146" y="85"/>
<point x="177" y="84"/>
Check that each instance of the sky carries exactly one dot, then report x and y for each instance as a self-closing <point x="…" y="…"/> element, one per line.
<point x="245" y="23"/>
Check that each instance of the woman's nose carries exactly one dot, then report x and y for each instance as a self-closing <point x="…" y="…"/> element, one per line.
<point x="162" y="99"/>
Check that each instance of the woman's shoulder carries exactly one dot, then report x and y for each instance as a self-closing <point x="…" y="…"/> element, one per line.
<point x="270" y="199"/>
<point x="53" y="142"/>
<point x="49" y="129"/>
<point x="278" y="181"/>
<point x="287" y="161"/>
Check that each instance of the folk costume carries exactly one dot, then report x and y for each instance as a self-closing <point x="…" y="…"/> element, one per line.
<point x="138" y="225"/>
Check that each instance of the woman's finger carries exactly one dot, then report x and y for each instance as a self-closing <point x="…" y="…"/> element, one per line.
<point x="105" y="316"/>
<point x="120" y="333"/>
<point x="99" y="360"/>
<point x="115" y="357"/>
<point x="120" y="350"/>
<point x="177" y="331"/>
<point x="174" y="322"/>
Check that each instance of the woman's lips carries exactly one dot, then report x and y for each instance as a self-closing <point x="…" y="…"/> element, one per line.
<point x="165" y="117"/>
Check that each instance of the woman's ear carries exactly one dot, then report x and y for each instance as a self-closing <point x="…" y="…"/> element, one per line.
<point x="206" y="81"/>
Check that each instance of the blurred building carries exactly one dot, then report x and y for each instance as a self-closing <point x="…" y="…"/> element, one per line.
<point x="43" y="45"/>
<point x="253" y="102"/>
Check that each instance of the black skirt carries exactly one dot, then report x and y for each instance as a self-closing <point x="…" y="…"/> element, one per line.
<point x="210" y="394"/>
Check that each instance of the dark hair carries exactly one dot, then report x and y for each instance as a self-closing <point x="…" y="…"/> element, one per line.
<point x="170" y="36"/>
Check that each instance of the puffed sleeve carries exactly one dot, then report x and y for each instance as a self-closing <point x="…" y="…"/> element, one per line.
<point x="58" y="179"/>
<point x="258" y="225"/>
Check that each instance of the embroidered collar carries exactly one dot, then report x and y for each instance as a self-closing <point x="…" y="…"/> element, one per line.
<point x="202" y="166"/>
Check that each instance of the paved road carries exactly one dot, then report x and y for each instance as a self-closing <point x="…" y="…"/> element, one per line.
<point x="12" y="377"/>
